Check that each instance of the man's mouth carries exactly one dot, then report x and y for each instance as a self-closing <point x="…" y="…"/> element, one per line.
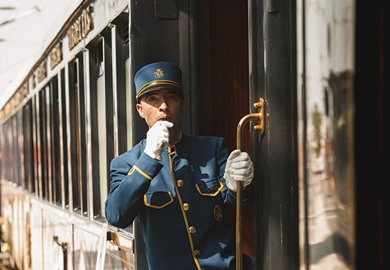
<point x="163" y="118"/>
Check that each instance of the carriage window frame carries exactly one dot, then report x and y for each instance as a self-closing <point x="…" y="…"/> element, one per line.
<point x="122" y="95"/>
<point x="37" y="174"/>
<point x="108" y="60"/>
<point x="97" y="120"/>
<point x="19" y="173"/>
<point x="64" y="172"/>
<point x="43" y="165"/>
<point x="54" y="133"/>
<point x="101" y="119"/>
<point x="77" y="139"/>
<point x="48" y="143"/>
<point x="8" y="155"/>
<point x="28" y="151"/>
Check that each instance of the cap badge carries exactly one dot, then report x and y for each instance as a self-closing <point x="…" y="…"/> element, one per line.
<point x="159" y="73"/>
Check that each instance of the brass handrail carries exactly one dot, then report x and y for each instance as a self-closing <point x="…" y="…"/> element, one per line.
<point x="253" y="116"/>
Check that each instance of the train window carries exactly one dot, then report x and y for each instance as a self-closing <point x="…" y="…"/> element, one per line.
<point x="102" y="84"/>
<point x="120" y="38"/>
<point x="14" y="138"/>
<point x="64" y="140"/>
<point x="107" y="73"/>
<point x="108" y="58"/>
<point x="101" y="121"/>
<point x="15" y="174"/>
<point x="19" y="173"/>
<point x="94" y="55"/>
<point x="43" y="144"/>
<point x="54" y="141"/>
<point x="10" y="156"/>
<point x="48" y="144"/>
<point x="19" y="169"/>
<point x="77" y="136"/>
<point x="129" y="104"/>
<point x="73" y="127"/>
<point x="7" y="148"/>
<point x="35" y="107"/>
<point x="28" y="153"/>
<point x="4" y="151"/>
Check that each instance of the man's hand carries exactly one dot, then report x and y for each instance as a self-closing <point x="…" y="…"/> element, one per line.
<point x="157" y="139"/>
<point x="239" y="168"/>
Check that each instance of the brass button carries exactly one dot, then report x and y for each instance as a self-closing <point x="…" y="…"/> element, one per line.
<point x="196" y="252"/>
<point x="218" y="215"/>
<point x="186" y="206"/>
<point x="180" y="183"/>
<point x="192" y="230"/>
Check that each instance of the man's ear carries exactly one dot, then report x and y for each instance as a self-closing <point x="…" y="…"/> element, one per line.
<point x="139" y="109"/>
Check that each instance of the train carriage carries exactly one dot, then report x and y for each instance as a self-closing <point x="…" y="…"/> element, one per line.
<point x="311" y="71"/>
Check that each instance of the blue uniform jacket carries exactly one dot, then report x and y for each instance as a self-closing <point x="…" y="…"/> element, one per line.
<point x="180" y="202"/>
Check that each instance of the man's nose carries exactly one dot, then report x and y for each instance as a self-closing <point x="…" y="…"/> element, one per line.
<point x="163" y="104"/>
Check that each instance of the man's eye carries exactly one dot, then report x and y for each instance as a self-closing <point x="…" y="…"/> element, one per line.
<point x="172" y="97"/>
<point x="151" y="98"/>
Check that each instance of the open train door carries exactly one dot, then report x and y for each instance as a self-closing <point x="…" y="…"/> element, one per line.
<point x="223" y="84"/>
<point x="246" y="51"/>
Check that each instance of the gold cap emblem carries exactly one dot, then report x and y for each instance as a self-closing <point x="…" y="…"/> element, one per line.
<point x="159" y="73"/>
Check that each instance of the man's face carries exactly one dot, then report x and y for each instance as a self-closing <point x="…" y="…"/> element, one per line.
<point x="163" y="104"/>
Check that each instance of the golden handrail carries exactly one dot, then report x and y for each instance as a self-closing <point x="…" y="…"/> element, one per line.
<point x="253" y="116"/>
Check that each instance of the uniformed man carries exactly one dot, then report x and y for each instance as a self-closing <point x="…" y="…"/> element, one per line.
<point x="177" y="185"/>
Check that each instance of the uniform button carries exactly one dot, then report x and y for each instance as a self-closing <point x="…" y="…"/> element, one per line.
<point x="180" y="183"/>
<point x="186" y="206"/>
<point x="192" y="230"/>
<point x="196" y="252"/>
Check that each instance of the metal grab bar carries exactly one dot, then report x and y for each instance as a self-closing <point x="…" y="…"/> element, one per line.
<point x="114" y="239"/>
<point x="64" y="247"/>
<point x="253" y="116"/>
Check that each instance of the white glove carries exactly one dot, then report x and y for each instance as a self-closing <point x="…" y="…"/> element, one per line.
<point x="239" y="168"/>
<point x="157" y="139"/>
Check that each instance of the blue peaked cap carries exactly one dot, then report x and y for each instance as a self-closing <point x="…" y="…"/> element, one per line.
<point x="157" y="75"/>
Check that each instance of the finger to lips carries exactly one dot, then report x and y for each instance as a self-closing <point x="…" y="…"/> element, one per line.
<point x="165" y="123"/>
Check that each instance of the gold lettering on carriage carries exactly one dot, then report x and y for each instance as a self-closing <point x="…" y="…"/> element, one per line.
<point x="80" y="28"/>
<point x="55" y="55"/>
